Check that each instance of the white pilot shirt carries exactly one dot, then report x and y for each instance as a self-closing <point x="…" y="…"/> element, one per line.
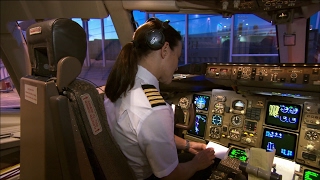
<point x="144" y="133"/>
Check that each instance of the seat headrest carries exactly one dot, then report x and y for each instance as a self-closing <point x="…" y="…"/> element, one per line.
<point x="49" y="41"/>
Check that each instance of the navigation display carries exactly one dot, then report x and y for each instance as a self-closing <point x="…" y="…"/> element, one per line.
<point x="283" y="115"/>
<point x="201" y="102"/>
<point x="283" y="142"/>
<point x="199" y="126"/>
<point x="310" y="175"/>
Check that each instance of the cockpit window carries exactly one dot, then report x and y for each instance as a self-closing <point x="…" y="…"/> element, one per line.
<point x="254" y="40"/>
<point x="101" y="55"/>
<point x="313" y="43"/>
<point x="243" y="38"/>
<point x="103" y="48"/>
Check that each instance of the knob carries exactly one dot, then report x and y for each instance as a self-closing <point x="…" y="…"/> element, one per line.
<point x="248" y="140"/>
<point x="308" y="108"/>
<point x="310" y="147"/>
<point x="294" y="75"/>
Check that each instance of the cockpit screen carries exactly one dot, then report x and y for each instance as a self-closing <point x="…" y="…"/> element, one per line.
<point x="238" y="154"/>
<point x="310" y="175"/>
<point x="199" y="126"/>
<point x="283" y="115"/>
<point x="201" y="102"/>
<point x="283" y="142"/>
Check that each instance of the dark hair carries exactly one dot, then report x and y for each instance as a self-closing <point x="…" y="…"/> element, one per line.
<point x="122" y="76"/>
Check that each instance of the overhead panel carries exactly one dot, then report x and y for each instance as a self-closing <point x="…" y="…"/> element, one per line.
<point x="277" y="11"/>
<point x="252" y="6"/>
<point x="27" y="10"/>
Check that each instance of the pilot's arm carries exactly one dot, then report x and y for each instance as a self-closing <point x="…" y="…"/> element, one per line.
<point x="157" y="140"/>
<point x="193" y="147"/>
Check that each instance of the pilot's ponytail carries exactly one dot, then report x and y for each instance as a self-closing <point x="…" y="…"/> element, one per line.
<point x="123" y="73"/>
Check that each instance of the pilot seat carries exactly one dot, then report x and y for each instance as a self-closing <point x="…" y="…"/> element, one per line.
<point x="64" y="128"/>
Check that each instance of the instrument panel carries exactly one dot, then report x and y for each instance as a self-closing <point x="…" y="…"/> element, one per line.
<point x="290" y="125"/>
<point x="269" y="106"/>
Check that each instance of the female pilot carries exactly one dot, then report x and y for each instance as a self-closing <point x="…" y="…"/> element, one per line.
<point x="140" y="120"/>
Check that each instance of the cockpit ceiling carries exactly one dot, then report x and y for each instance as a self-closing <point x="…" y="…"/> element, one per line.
<point x="20" y="10"/>
<point x="265" y="9"/>
<point x="27" y="10"/>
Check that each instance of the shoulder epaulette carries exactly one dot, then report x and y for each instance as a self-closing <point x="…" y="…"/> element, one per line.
<point x="153" y="95"/>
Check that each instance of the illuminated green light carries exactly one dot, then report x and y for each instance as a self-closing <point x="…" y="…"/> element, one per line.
<point x="311" y="175"/>
<point x="238" y="154"/>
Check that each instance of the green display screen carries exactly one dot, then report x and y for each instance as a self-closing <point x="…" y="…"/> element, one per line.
<point x="311" y="175"/>
<point x="238" y="154"/>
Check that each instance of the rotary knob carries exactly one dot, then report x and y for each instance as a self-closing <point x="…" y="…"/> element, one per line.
<point x="310" y="147"/>
<point x="248" y="140"/>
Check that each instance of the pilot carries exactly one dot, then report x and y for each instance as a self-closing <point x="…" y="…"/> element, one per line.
<point x="140" y="120"/>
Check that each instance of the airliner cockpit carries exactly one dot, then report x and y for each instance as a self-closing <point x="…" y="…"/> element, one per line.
<point x="249" y="90"/>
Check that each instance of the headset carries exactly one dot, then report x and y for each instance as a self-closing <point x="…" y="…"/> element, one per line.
<point x="155" y="38"/>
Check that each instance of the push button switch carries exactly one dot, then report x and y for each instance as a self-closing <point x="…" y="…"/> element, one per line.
<point x="306" y="78"/>
<point x="312" y="157"/>
<point x="305" y="155"/>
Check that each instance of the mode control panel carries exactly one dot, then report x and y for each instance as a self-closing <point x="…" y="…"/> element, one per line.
<point x="301" y="76"/>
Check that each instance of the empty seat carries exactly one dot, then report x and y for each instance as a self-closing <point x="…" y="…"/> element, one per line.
<point x="64" y="129"/>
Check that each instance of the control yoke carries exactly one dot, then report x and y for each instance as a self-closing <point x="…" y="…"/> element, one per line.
<point x="192" y="113"/>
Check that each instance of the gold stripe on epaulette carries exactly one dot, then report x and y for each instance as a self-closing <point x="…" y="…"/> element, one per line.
<point x="154" y="97"/>
<point x="153" y="94"/>
<point x="156" y="101"/>
<point x="150" y="90"/>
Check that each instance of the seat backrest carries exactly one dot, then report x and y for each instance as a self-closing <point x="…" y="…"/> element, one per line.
<point x="75" y="141"/>
<point x="105" y="156"/>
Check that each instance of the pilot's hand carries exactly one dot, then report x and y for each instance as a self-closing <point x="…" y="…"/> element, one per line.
<point x="204" y="158"/>
<point x="196" y="147"/>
